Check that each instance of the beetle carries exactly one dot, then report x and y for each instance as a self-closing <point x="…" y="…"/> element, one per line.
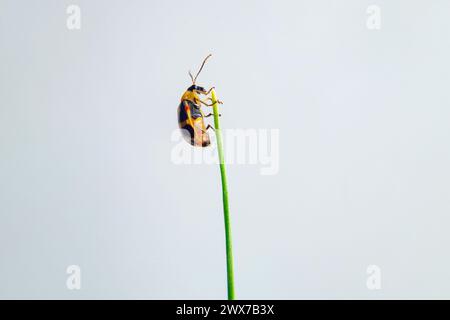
<point x="190" y="115"/>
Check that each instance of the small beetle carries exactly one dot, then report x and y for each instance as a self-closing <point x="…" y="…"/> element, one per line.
<point x="190" y="116"/>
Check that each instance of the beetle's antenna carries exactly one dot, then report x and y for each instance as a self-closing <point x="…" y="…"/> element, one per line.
<point x="200" y="70"/>
<point x="192" y="78"/>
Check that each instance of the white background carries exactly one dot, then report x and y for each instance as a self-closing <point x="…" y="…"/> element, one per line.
<point x="86" y="177"/>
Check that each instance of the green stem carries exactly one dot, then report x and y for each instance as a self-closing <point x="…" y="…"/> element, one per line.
<point x="226" y="213"/>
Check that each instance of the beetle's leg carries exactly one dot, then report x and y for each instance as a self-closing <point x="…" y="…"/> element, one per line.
<point x="208" y="127"/>
<point x="210" y="105"/>
<point x="218" y="101"/>
<point x="209" y="91"/>
<point x="206" y="104"/>
<point x="210" y="114"/>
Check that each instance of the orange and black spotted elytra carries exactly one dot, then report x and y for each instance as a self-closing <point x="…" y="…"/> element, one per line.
<point x="190" y="116"/>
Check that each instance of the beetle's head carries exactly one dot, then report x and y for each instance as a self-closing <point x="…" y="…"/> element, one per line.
<point x="197" y="89"/>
